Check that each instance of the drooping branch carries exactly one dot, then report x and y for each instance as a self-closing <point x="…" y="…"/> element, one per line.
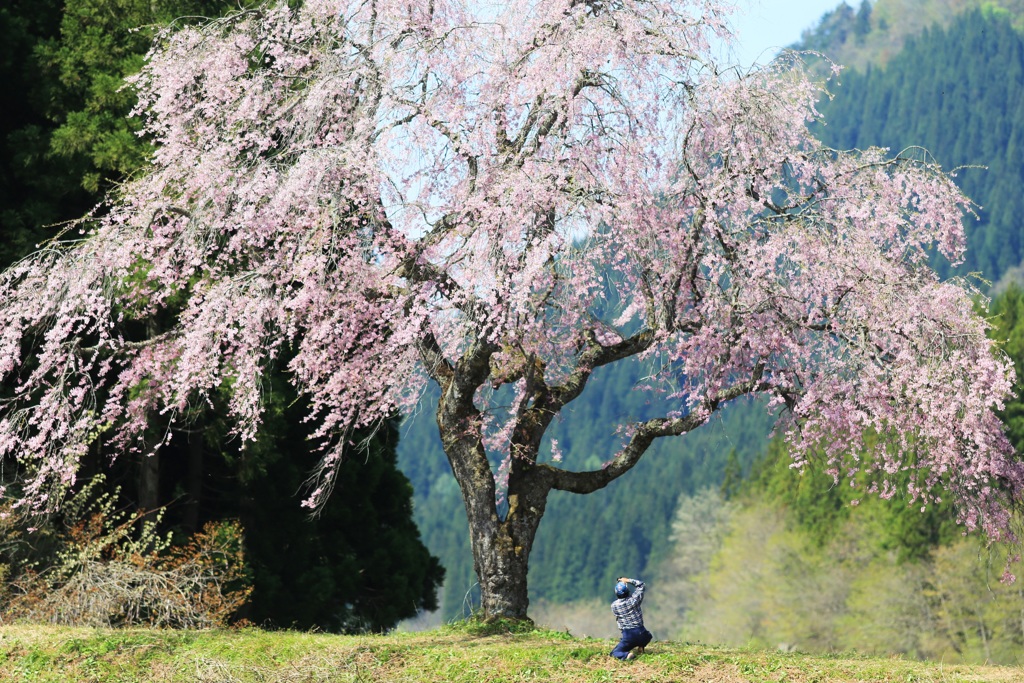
<point x="434" y="362"/>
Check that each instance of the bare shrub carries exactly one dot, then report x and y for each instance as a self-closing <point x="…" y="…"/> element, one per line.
<point x="117" y="570"/>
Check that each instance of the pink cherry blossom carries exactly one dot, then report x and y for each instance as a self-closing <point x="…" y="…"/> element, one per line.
<point x="389" y="193"/>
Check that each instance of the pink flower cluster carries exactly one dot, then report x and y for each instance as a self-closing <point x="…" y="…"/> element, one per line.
<point x="381" y="192"/>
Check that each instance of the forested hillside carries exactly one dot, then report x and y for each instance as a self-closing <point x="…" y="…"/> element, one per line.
<point x="959" y="93"/>
<point x="858" y="34"/>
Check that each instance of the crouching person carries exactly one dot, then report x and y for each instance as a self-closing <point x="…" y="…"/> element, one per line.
<point x="629" y="595"/>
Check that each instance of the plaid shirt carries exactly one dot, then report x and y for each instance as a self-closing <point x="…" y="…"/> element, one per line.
<point x="627" y="610"/>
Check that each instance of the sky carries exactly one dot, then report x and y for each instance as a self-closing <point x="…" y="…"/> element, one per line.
<point x="764" y="26"/>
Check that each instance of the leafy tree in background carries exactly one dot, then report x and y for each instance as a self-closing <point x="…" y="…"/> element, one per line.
<point x="393" y="190"/>
<point x="358" y="565"/>
<point x="66" y="135"/>
<point x="1008" y="311"/>
<point x="101" y="42"/>
<point x="699" y="527"/>
<point x="821" y="509"/>
<point x="769" y="583"/>
<point x="767" y="586"/>
<point x="862" y="23"/>
<point x="34" y="188"/>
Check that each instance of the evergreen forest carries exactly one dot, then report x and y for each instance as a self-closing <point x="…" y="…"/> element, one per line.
<point x="956" y="92"/>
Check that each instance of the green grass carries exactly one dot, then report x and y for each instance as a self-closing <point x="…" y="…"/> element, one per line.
<point x="461" y="654"/>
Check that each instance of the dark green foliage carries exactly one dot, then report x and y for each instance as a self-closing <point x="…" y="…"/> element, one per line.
<point x="35" y="188"/>
<point x="812" y="499"/>
<point x="358" y="564"/>
<point x="101" y="42"/>
<point x="733" y="477"/>
<point x="957" y="92"/>
<point x="1007" y="310"/>
<point x="65" y="135"/>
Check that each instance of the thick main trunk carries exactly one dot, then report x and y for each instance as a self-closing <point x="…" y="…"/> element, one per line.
<point x="501" y="547"/>
<point x="501" y="562"/>
<point x="148" y="481"/>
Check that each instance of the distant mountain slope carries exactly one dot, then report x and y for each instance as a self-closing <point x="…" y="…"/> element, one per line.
<point x="874" y="32"/>
<point x="958" y="92"/>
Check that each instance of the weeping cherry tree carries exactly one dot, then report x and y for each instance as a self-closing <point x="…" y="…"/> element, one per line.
<point x="501" y="199"/>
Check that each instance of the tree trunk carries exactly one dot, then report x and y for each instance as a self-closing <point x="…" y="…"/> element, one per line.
<point x="501" y="548"/>
<point x="501" y="561"/>
<point x="503" y="571"/>
<point x="148" y="481"/>
<point x="194" y="480"/>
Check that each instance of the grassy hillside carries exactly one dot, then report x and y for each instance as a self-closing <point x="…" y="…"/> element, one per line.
<point x="454" y="654"/>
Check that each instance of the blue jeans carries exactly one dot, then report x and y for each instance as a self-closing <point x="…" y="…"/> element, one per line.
<point x="631" y="637"/>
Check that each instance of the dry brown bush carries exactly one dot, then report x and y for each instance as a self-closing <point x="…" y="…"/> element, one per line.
<point x="115" y="569"/>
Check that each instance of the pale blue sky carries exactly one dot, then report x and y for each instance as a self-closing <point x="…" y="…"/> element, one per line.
<point x="764" y="26"/>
